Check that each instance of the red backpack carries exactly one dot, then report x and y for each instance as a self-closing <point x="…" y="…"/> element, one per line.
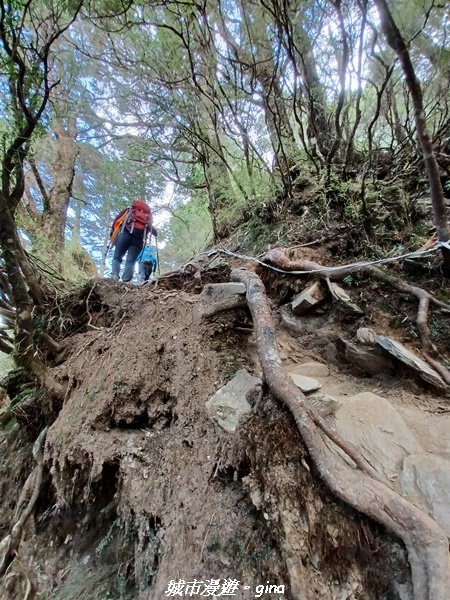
<point x="139" y="216"/>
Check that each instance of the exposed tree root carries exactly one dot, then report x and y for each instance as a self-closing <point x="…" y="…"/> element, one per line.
<point x="279" y="259"/>
<point x="425" y="541"/>
<point x="10" y="543"/>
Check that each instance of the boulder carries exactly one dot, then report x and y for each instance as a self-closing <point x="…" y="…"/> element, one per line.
<point x="231" y="401"/>
<point x="425" y="480"/>
<point x="377" y="430"/>
<point x="310" y="297"/>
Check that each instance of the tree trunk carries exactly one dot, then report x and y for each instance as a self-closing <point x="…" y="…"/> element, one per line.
<point x="276" y="117"/>
<point x="24" y="349"/>
<point x="66" y="152"/>
<point x="395" y="40"/>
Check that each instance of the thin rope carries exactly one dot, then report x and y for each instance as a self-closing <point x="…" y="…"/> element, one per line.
<point x="380" y="261"/>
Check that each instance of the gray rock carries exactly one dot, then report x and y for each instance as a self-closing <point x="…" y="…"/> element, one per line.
<point x="341" y="296"/>
<point x="230" y="402"/>
<point x="304" y="324"/>
<point x="368" y="360"/>
<point x="306" y="384"/>
<point x="378" y="431"/>
<point x="411" y="360"/>
<point x="218" y="292"/>
<point x="365" y="335"/>
<point x="331" y="353"/>
<point x="218" y="297"/>
<point x="217" y="262"/>
<point x="324" y="404"/>
<point x="432" y="430"/>
<point x="425" y="480"/>
<point x="403" y="354"/>
<point x="310" y="297"/>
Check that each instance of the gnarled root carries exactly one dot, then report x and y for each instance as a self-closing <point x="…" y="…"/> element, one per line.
<point x="279" y="259"/>
<point x="425" y="541"/>
<point x="10" y="543"/>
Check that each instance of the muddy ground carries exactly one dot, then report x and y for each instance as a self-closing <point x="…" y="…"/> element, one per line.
<point x="142" y="487"/>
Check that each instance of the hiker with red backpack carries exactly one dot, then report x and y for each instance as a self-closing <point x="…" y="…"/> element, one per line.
<point x="129" y="233"/>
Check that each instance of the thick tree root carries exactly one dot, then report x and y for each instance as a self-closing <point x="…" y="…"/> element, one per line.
<point x="279" y="259"/>
<point x="10" y="543"/>
<point x="425" y="541"/>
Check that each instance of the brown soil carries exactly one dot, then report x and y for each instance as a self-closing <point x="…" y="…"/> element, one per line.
<point x="142" y="487"/>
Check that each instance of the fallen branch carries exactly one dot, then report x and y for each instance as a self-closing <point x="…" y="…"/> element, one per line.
<point x="10" y="543"/>
<point x="425" y="541"/>
<point x="279" y="259"/>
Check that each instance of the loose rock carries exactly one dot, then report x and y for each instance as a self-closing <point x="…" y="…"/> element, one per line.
<point x="230" y="402"/>
<point x="310" y="297"/>
<point x="306" y="384"/>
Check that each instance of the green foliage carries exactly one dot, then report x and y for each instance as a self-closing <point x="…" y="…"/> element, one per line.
<point x="349" y="280"/>
<point x="188" y="232"/>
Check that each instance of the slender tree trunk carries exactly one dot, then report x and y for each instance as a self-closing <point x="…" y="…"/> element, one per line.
<point x="395" y="40"/>
<point x="276" y="117"/>
<point x="66" y="152"/>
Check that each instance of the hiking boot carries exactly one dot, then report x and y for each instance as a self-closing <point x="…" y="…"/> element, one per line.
<point x="114" y="277"/>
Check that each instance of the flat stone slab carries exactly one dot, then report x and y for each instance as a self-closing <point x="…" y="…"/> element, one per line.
<point x="411" y="360"/>
<point x="425" y="480"/>
<point x="309" y="369"/>
<point x="306" y="384"/>
<point x="403" y="354"/>
<point x="377" y="430"/>
<point x="218" y="292"/>
<point x="230" y="402"/>
<point x="217" y="297"/>
<point x="308" y="298"/>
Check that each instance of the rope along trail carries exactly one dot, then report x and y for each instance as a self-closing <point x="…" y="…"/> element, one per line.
<point x="380" y="261"/>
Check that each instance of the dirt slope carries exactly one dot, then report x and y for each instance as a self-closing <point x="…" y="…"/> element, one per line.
<point x="142" y="487"/>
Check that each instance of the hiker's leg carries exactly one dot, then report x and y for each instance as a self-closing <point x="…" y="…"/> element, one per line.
<point x="132" y="254"/>
<point x="147" y="271"/>
<point x="142" y="271"/>
<point x="122" y="245"/>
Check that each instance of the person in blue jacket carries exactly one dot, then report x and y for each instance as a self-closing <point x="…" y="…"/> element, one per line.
<point x="148" y="261"/>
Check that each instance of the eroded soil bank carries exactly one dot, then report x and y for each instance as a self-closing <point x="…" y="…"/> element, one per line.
<point x="142" y="487"/>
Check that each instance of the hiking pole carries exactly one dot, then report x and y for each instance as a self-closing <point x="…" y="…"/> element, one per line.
<point x="157" y="254"/>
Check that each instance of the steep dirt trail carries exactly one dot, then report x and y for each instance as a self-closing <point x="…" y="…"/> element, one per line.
<point x="142" y="487"/>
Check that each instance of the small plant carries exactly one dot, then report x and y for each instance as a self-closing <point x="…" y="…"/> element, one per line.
<point x="348" y="280"/>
